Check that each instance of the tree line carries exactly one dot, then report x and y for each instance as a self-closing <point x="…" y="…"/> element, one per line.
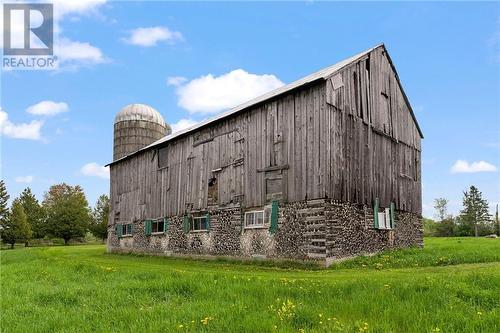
<point x="63" y="213"/>
<point x="473" y="220"/>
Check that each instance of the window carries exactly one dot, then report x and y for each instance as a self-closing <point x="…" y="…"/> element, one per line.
<point x="254" y="219"/>
<point x="199" y="223"/>
<point x="158" y="225"/>
<point x="213" y="191"/>
<point x="384" y="219"/>
<point x="196" y="223"/>
<point x="126" y="229"/>
<point x="162" y="157"/>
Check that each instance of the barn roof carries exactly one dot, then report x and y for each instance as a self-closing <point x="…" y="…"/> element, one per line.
<point x="319" y="75"/>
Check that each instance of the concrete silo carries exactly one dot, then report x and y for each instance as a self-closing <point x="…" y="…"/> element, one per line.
<point x="136" y="126"/>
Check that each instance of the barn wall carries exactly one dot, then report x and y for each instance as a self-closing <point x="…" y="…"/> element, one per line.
<point x="373" y="146"/>
<point x="350" y="139"/>
<point x="349" y="231"/>
<point x="320" y="229"/>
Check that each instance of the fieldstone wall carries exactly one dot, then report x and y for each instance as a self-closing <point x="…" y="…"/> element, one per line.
<point x="350" y="231"/>
<point x="321" y="229"/>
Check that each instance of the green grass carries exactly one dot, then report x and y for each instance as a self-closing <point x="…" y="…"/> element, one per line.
<point x="82" y="289"/>
<point x="437" y="251"/>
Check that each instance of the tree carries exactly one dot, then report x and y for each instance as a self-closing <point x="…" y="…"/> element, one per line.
<point x="446" y="228"/>
<point x="100" y="217"/>
<point x="4" y="198"/>
<point x="441" y="207"/>
<point x="474" y="216"/>
<point x="4" y="210"/>
<point x="497" y="223"/>
<point x="16" y="229"/>
<point x="446" y="223"/>
<point x="34" y="213"/>
<point x="67" y="210"/>
<point x="429" y="227"/>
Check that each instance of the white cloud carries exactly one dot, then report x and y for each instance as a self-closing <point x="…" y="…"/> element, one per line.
<point x="462" y="166"/>
<point x="176" y="80"/>
<point x="78" y="53"/>
<point x="24" y="179"/>
<point x="74" y="7"/>
<point x="47" y="108"/>
<point x="73" y="54"/>
<point x="151" y="36"/>
<point x="29" y="131"/>
<point x="95" y="170"/>
<point x="209" y="94"/>
<point x="183" y="124"/>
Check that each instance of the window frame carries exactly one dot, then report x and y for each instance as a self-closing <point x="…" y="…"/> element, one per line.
<point x="127" y="230"/>
<point x="157" y="223"/>
<point x="254" y="225"/>
<point x="385" y="217"/>
<point x="192" y="224"/>
<point x="164" y="150"/>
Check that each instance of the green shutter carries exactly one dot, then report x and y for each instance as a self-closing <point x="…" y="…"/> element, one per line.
<point x="165" y="225"/>
<point x="242" y="225"/>
<point x="273" y="227"/>
<point x="185" y="224"/>
<point x="119" y="230"/>
<point x="147" y="227"/>
<point x="375" y="214"/>
<point x="393" y="212"/>
<point x="132" y="229"/>
<point x="207" y="219"/>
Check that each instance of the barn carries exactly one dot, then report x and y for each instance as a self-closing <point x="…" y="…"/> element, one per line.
<point x="324" y="168"/>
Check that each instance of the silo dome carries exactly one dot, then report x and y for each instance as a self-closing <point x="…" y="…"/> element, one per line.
<point x="136" y="126"/>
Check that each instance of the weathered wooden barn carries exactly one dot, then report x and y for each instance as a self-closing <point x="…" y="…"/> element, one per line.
<point x="323" y="168"/>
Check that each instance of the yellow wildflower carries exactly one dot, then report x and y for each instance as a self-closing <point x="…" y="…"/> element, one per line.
<point x="205" y="320"/>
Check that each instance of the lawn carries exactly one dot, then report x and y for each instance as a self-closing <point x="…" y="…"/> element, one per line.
<point x="452" y="285"/>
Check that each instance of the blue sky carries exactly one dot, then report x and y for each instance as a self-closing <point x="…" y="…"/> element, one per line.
<point x="447" y="56"/>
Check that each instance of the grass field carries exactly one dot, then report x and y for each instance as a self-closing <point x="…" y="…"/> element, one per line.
<point x="453" y="285"/>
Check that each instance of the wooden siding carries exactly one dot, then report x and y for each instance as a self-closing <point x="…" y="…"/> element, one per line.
<point x="373" y="138"/>
<point x="350" y="137"/>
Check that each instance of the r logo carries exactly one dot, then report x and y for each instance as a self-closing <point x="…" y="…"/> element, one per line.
<point x="21" y="29"/>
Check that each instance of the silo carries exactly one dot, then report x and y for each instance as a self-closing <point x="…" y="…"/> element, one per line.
<point x="136" y="126"/>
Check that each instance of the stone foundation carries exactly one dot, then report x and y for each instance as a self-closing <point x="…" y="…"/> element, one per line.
<point x="322" y="230"/>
